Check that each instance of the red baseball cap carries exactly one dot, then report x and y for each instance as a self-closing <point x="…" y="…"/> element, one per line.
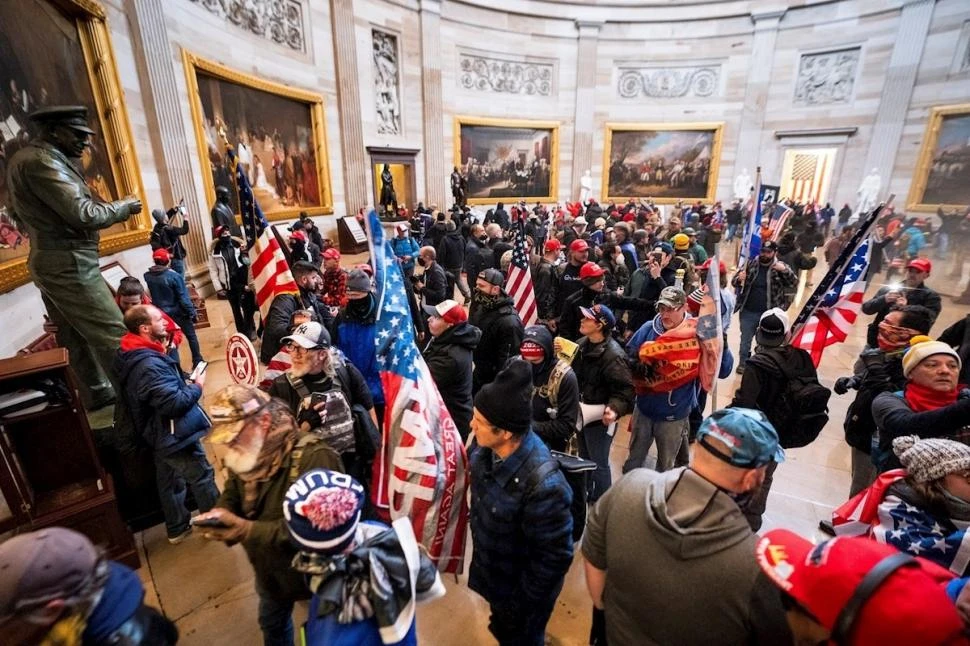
<point x="298" y="235"/>
<point x="449" y="310"/>
<point x="910" y="606"/>
<point x="590" y="270"/>
<point x="161" y="255"/>
<point x="579" y="245"/>
<point x="921" y="264"/>
<point x="331" y="254"/>
<point x="721" y="267"/>
<point x="552" y="245"/>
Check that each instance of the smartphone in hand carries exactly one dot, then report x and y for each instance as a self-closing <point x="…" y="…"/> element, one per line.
<point x="207" y="522"/>
<point x="198" y="370"/>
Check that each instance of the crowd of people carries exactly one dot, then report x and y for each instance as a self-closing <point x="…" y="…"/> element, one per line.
<point x="618" y="293"/>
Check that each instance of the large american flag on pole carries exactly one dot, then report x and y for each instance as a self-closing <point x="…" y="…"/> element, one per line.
<point x="710" y="334"/>
<point x="839" y="308"/>
<point x="422" y="471"/>
<point x="270" y="271"/>
<point x="518" y="285"/>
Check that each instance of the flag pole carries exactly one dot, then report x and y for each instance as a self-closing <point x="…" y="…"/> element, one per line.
<point x="716" y="258"/>
<point x="838" y="267"/>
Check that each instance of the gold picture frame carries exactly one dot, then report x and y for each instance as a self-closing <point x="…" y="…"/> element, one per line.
<point x="933" y="176"/>
<point x="99" y="61"/>
<point x="318" y="130"/>
<point x="538" y="185"/>
<point x="678" y="136"/>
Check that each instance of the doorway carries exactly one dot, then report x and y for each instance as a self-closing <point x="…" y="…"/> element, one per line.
<point x="807" y="173"/>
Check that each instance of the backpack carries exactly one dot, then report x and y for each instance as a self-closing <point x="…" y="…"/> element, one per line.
<point x="576" y="471"/>
<point x="800" y="411"/>
<point x="157" y="240"/>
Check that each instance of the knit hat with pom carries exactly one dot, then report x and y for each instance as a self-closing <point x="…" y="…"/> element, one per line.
<point x="322" y="509"/>
<point x="931" y="459"/>
<point x="921" y="347"/>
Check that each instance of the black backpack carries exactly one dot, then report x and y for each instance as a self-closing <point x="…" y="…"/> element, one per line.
<point x="800" y="411"/>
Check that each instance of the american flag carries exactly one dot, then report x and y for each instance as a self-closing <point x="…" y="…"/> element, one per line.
<point x="268" y="265"/>
<point x="838" y="309"/>
<point x="519" y="283"/>
<point x="751" y="240"/>
<point x="886" y="518"/>
<point x="779" y="220"/>
<point x="806" y="175"/>
<point x="422" y="470"/>
<point x="709" y="330"/>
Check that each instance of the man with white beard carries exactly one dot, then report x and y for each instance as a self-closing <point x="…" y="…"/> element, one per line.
<point x="266" y="453"/>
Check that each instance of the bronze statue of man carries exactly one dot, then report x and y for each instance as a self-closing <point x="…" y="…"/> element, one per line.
<point x="48" y="196"/>
<point x="222" y="215"/>
<point x="388" y="195"/>
<point x="459" y="186"/>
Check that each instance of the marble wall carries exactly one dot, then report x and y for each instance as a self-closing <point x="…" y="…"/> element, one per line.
<point x="859" y="75"/>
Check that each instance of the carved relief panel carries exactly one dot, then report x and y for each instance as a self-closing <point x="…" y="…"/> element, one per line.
<point x="669" y="82"/>
<point x="387" y="83"/>
<point x="827" y="77"/>
<point x="506" y="76"/>
<point x="280" y="21"/>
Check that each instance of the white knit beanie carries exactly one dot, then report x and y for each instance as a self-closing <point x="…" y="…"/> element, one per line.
<point x="931" y="459"/>
<point x="921" y="347"/>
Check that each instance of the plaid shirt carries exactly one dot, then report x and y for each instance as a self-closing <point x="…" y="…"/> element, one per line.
<point x="335" y="287"/>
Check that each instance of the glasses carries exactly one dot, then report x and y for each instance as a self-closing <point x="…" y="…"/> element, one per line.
<point x="299" y="350"/>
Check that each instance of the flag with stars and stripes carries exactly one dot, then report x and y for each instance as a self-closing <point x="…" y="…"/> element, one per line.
<point x="709" y="331"/>
<point x="270" y="271"/>
<point x="879" y="513"/>
<point x="839" y="308"/>
<point x="421" y="471"/>
<point x="519" y="283"/>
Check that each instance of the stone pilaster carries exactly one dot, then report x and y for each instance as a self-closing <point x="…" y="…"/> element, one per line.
<point x="164" y="108"/>
<point x="436" y="170"/>
<point x="914" y="23"/>
<point x="356" y="167"/>
<point x="766" y="23"/>
<point x="585" y="102"/>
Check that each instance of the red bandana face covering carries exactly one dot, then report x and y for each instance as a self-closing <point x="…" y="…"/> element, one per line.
<point x="893" y="337"/>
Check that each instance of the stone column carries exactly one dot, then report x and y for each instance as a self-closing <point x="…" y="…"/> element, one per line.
<point x="914" y="23"/>
<point x="163" y="107"/>
<point x="585" y="101"/>
<point x="348" y="87"/>
<point x="756" y="91"/>
<point x="436" y="170"/>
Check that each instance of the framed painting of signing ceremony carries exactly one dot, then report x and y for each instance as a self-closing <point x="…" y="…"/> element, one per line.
<point x="278" y="132"/>
<point x="665" y="161"/>
<point x="507" y="159"/>
<point x="942" y="177"/>
<point x="59" y="53"/>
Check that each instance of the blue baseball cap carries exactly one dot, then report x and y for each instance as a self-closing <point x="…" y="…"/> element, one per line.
<point x="666" y="247"/>
<point x="748" y="434"/>
<point x="599" y="313"/>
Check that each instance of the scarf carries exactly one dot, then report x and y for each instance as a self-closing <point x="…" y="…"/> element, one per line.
<point x="131" y="342"/>
<point x="894" y="337"/>
<point x="922" y="399"/>
<point x="279" y="441"/>
<point x="488" y="302"/>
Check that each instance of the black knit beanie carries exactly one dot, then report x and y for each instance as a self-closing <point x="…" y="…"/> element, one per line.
<point x="507" y="402"/>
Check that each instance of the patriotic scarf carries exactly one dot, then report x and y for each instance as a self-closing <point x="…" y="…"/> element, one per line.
<point x="672" y="359"/>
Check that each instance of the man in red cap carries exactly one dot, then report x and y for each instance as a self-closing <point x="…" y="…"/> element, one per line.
<point x="449" y="358"/>
<point x="546" y="283"/>
<point x="592" y="279"/>
<point x="569" y="281"/>
<point x="334" y="279"/>
<point x="912" y="291"/>
<point x="169" y="294"/>
<point x="856" y="591"/>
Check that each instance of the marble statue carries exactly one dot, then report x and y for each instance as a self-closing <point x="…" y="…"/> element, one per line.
<point x="868" y="192"/>
<point x="742" y="185"/>
<point x="585" y="187"/>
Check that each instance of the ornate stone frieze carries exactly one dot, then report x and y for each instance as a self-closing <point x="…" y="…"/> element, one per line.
<point x="387" y="84"/>
<point x="490" y="74"/>
<point x="669" y="82"/>
<point x="827" y="77"/>
<point x="278" y="20"/>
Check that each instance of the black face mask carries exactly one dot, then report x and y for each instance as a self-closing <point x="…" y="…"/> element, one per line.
<point x="483" y="238"/>
<point x="422" y="262"/>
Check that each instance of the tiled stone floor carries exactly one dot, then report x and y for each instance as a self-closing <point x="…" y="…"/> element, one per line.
<point x="207" y="588"/>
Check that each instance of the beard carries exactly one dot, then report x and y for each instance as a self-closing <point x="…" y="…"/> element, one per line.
<point x="240" y="460"/>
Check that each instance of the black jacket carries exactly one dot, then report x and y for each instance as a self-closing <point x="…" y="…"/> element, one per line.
<point x="554" y="424"/>
<point x="501" y="336"/>
<point x="277" y="324"/>
<point x="498" y="247"/>
<point x="477" y="258"/>
<point x="166" y="236"/>
<point x="435" y="283"/>
<point x="604" y="375"/>
<point x="765" y="383"/>
<point x="570" y="316"/>
<point x="958" y="336"/>
<point x="451" y="251"/>
<point x="449" y="358"/>
<point x="546" y="283"/>
<point x="569" y="283"/>
<point x="878" y="305"/>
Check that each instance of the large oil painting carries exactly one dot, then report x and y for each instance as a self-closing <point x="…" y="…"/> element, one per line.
<point x="942" y="177"/>
<point x="506" y="160"/>
<point x="667" y="162"/>
<point x="48" y="53"/>
<point x="277" y="131"/>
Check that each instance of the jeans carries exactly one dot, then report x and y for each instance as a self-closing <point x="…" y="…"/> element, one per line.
<point x="527" y="630"/>
<point x="749" y="325"/>
<point x="178" y="266"/>
<point x="594" y="444"/>
<point x="188" y="329"/>
<point x="275" y="619"/>
<point x="188" y="464"/>
<point x="671" y="436"/>
<point x="732" y="230"/>
<point x="756" y="505"/>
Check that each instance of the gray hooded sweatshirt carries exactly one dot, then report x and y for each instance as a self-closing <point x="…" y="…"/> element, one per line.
<point x="680" y="565"/>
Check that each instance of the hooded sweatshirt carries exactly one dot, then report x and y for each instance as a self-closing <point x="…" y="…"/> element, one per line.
<point x="677" y="553"/>
<point x="554" y="424"/>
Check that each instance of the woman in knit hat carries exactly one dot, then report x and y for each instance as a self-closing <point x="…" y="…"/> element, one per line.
<point x="930" y="405"/>
<point x="922" y="509"/>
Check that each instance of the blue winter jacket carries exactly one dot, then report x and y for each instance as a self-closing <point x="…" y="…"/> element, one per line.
<point x="356" y="339"/>
<point x="164" y="409"/>
<point x="169" y="292"/>
<point x="405" y="247"/>
<point x="674" y="405"/>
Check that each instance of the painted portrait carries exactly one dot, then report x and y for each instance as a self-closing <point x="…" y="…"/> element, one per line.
<point x="666" y="162"/>
<point x="506" y="160"/>
<point x="43" y="63"/>
<point x="942" y="176"/>
<point x="276" y="131"/>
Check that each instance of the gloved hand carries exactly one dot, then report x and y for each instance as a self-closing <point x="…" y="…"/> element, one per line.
<point x="310" y="416"/>
<point x="844" y="384"/>
<point x="639" y="369"/>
